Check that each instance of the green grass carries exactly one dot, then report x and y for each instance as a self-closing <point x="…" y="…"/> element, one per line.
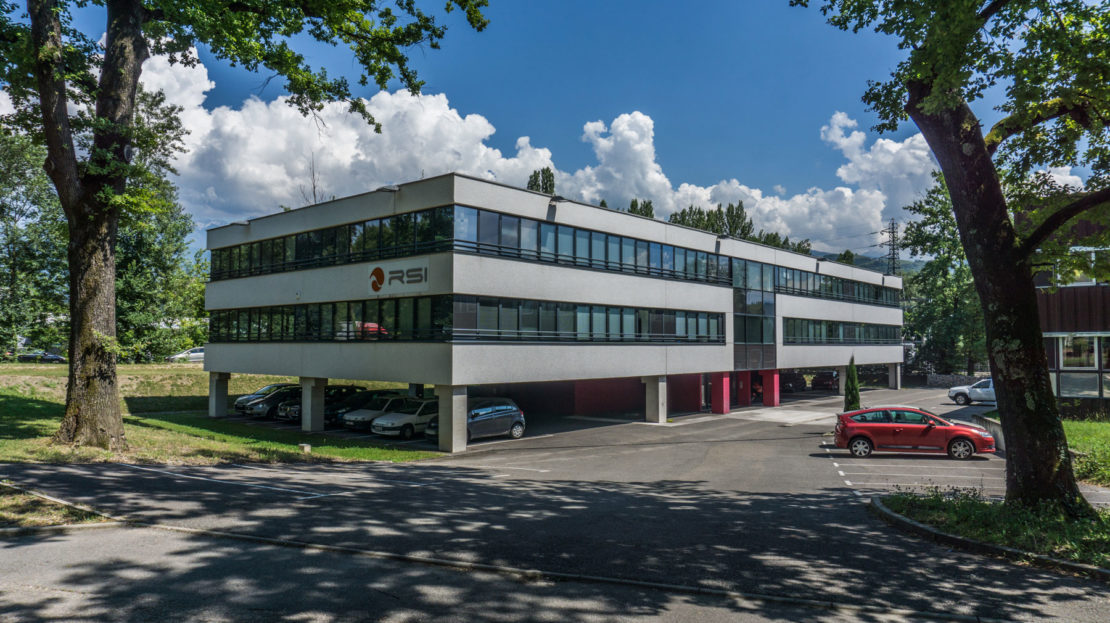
<point x="20" y="510"/>
<point x="1045" y="531"/>
<point x="1092" y="440"/>
<point x="164" y="422"/>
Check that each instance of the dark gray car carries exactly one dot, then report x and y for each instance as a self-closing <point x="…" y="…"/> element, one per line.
<point x="487" y="417"/>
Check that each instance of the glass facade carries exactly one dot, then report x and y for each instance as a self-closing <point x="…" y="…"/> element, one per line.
<point x="460" y="317"/>
<point x="466" y="229"/>
<point x="1079" y="365"/>
<point x="805" y="331"/>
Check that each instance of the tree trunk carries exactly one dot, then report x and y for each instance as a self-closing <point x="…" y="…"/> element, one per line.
<point x="1038" y="469"/>
<point x="93" y="415"/>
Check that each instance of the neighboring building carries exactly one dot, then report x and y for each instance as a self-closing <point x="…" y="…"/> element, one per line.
<point x="474" y="286"/>
<point x="1075" y="320"/>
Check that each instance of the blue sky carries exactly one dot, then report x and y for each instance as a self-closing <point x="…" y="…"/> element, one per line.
<point x="735" y="88"/>
<point x="692" y="103"/>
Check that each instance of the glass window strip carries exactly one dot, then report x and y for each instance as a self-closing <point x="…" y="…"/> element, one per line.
<point x="467" y="229"/>
<point x="463" y="317"/>
<point x="806" y="331"/>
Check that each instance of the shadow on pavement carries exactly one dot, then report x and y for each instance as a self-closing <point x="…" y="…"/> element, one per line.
<point x="821" y="546"/>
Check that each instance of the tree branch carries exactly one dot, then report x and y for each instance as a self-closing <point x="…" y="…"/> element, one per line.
<point x="1035" y="115"/>
<point x="61" y="160"/>
<point x="991" y="9"/>
<point x="1061" y="216"/>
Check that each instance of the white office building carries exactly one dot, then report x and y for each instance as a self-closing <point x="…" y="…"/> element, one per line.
<point x="474" y="286"/>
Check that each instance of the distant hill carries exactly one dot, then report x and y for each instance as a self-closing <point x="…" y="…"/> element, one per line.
<point x="877" y="264"/>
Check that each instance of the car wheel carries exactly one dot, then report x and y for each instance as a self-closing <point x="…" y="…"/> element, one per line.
<point x="517" y="431"/>
<point x="860" y="447"/>
<point x="962" y="399"/>
<point x="407" y="431"/>
<point x="961" y="449"/>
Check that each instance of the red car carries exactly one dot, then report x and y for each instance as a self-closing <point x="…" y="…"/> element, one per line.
<point x="908" y="429"/>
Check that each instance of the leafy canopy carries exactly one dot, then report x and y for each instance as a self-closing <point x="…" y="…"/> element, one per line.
<point x="1050" y="59"/>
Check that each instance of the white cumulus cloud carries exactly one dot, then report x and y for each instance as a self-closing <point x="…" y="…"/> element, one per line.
<point x="249" y="160"/>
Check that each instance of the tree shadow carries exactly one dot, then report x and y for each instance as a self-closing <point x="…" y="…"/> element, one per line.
<point x="22" y="417"/>
<point x="821" y="545"/>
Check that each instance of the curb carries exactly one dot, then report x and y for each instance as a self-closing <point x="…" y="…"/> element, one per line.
<point x="60" y="528"/>
<point x="876" y="506"/>
<point x="531" y="575"/>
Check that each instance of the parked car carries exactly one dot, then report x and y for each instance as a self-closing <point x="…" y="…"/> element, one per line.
<point x="354" y="402"/>
<point x="487" y="417"/>
<point x="908" y="429"/>
<point x="333" y="395"/>
<point x="193" y="355"/>
<point x="364" y="417"/>
<point x="792" y="382"/>
<point x="267" y="406"/>
<point x="826" y="379"/>
<point x="983" y="391"/>
<point x="242" y="401"/>
<point x="411" y="418"/>
<point x="39" y="356"/>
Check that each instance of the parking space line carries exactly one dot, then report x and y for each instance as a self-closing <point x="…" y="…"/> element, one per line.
<point x="523" y="469"/>
<point x="993" y="469"/>
<point x="884" y="474"/>
<point x="225" y="482"/>
<point x="840" y="472"/>
<point x="916" y="484"/>
<point x="849" y="483"/>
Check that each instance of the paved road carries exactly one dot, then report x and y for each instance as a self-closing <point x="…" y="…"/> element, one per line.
<point x="726" y="502"/>
<point x="129" y="574"/>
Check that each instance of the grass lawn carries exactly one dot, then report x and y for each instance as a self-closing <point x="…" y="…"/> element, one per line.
<point x="165" y="422"/>
<point x="1093" y="440"/>
<point x="19" y="510"/>
<point x="1042" y="532"/>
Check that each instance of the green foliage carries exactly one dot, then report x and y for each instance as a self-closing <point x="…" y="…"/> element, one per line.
<point x="542" y="181"/>
<point x="942" y="306"/>
<point x="32" y="248"/>
<point x="846" y="257"/>
<point x="1046" y="529"/>
<point x="733" y="221"/>
<point x="643" y="208"/>
<point x="851" y="386"/>
<point x="603" y="204"/>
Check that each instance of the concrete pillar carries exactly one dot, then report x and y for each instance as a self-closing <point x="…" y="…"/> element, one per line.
<point x="894" y="375"/>
<point x="743" y="387"/>
<point x="655" y="399"/>
<point x="842" y="379"/>
<point x="452" y="417"/>
<point x="720" y="398"/>
<point x="312" y="403"/>
<point x="217" y="394"/>
<point x="770" y="387"/>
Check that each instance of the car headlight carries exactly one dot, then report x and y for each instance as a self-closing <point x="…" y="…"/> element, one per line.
<point x="983" y="433"/>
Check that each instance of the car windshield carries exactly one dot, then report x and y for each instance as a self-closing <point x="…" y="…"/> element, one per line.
<point x="357" y="400"/>
<point x="379" y="404"/>
<point x="269" y="389"/>
<point x="412" y="407"/>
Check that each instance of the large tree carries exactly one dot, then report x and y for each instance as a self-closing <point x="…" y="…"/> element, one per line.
<point x="79" y="100"/>
<point x="1048" y="61"/>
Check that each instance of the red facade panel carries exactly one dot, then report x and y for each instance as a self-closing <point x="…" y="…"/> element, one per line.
<point x="1075" y="309"/>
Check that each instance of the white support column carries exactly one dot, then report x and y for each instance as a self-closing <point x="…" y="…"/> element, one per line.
<point x="312" y="403"/>
<point x="452" y="417"/>
<point x="217" y="394"/>
<point x="842" y="379"/>
<point x="655" y="399"/>
<point x="894" y="375"/>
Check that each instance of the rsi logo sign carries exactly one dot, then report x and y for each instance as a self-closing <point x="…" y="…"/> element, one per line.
<point x="399" y="277"/>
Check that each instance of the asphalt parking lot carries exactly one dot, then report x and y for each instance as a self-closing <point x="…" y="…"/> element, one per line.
<point x="753" y="501"/>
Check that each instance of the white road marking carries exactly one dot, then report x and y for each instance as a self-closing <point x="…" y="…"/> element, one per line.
<point x="856" y="492"/>
<point x="841" y="473"/>
<point x="835" y="464"/>
<point x="493" y="443"/>
<point x="979" y="476"/>
<point x="848" y="482"/>
<point x="886" y="466"/>
<point x="523" y="469"/>
<point x="916" y="484"/>
<point x="224" y="482"/>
